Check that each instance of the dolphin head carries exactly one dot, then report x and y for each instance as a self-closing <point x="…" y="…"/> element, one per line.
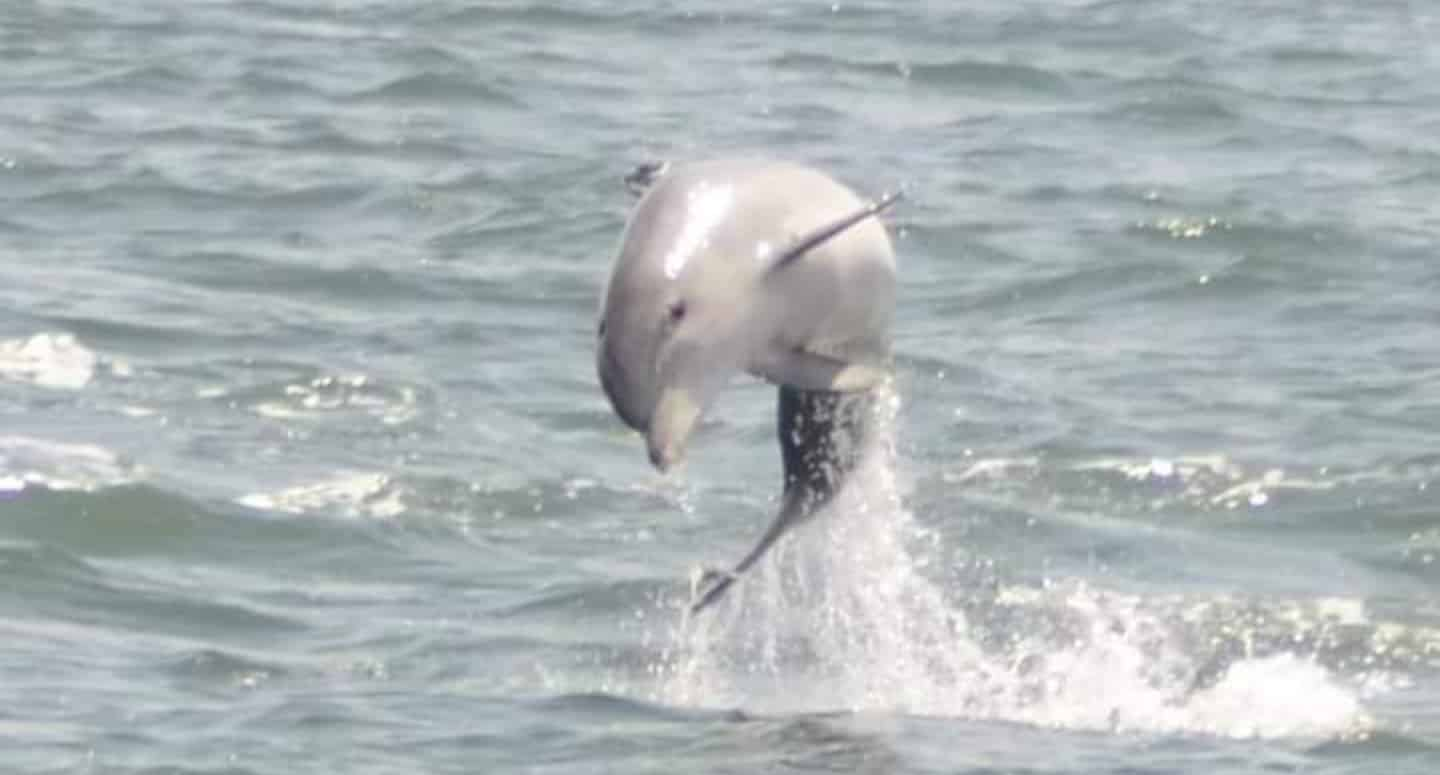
<point x="676" y="313"/>
<point x="709" y="281"/>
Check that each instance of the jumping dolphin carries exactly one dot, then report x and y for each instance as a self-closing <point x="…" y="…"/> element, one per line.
<point x="763" y="267"/>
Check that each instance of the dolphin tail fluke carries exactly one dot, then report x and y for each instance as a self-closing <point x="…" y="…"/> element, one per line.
<point x="718" y="581"/>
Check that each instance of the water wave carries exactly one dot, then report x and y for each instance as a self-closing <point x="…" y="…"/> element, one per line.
<point x="427" y="86"/>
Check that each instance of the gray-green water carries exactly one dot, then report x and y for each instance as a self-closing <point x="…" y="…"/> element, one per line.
<point x="304" y="468"/>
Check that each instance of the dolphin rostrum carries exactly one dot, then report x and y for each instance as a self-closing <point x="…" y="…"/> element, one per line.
<point x="769" y="268"/>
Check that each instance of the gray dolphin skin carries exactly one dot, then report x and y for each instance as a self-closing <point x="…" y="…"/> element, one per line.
<point x="769" y="268"/>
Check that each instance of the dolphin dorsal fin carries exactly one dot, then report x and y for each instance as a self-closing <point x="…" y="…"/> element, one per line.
<point x="639" y="179"/>
<point x="819" y="236"/>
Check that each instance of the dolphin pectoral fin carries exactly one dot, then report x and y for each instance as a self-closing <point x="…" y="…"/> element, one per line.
<point x="854" y="377"/>
<point x="819" y="236"/>
<point x="808" y="370"/>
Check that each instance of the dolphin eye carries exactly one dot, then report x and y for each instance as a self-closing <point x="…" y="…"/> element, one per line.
<point x="601" y="330"/>
<point x="677" y="311"/>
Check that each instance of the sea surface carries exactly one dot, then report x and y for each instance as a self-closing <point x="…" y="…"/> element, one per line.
<point x="304" y="466"/>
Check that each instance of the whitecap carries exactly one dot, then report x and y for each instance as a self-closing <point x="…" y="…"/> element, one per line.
<point x="27" y="462"/>
<point x="353" y="494"/>
<point x="348" y="393"/>
<point x="50" y="360"/>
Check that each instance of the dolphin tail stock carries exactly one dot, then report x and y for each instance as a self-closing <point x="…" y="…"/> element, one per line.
<point x="822" y="437"/>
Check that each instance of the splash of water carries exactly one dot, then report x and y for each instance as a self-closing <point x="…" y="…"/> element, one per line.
<point x="845" y="615"/>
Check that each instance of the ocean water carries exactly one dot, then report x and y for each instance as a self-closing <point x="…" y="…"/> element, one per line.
<point x="304" y="467"/>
